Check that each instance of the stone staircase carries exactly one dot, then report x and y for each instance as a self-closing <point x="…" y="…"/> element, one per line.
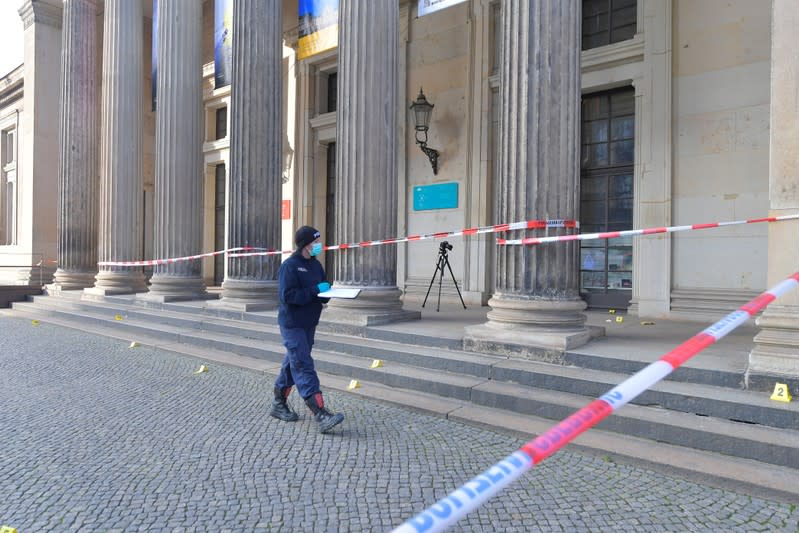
<point x="698" y="422"/>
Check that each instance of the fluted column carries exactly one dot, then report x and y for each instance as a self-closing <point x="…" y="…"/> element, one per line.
<point x="77" y="138"/>
<point x="178" y="157"/>
<point x="255" y="153"/>
<point x="366" y="161"/>
<point x="121" y="149"/>
<point x="537" y="303"/>
<point x="775" y="356"/>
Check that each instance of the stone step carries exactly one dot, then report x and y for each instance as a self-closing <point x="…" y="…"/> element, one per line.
<point x="762" y="443"/>
<point x="707" y="400"/>
<point x="738" y="405"/>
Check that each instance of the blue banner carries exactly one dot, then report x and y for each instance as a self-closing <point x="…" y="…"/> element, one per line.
<point x="223" y="42"/>
<point x="318" y="29"/>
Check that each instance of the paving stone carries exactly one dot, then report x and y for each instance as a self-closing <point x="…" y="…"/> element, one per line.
<point x="97" y="436"/>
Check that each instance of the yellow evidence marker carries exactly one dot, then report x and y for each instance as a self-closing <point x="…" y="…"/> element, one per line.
<point x="619" y="319"/>
<point x="8" y="529"/>
<point x="134" y="344"/>
<point x="202" y="369"/>
<point x="781" y="393"/>
<point x="377" y="363"/>
<point x="117" y="317"/>
<point x="35" y="323"/>
<point x="354" y="384"/>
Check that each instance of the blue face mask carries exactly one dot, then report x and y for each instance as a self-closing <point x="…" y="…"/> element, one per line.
<point x="316" y="249"/>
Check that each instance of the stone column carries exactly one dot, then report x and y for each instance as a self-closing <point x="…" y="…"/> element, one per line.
<point x="256" y="139"/>
<point x="178" y="158"/>
<point x="536" y="305"/>
<point x="776" y="352"/>
<point x="121" y="149"/>
<point x="366" y="162"/>
<point x="77" y="139"/>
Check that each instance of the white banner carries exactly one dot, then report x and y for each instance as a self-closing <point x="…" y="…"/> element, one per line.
<point x="429" y="6"/>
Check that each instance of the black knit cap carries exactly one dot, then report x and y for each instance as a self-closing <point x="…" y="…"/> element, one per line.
<point x="305" y="236"/>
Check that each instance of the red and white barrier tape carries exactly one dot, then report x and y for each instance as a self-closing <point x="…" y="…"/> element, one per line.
<point x="475" y="492"/>
<point x="647" y="231"/>
<point x="151" y="262"/>
<point x="525" y="224"/>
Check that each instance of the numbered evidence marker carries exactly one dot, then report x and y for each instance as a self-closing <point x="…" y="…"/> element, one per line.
<point x="377" y="363"/>
<point x="354" y="384"/>
<point x="8" y="529"/>
<point x="781" y="393"/>
<point x="619" y="319"/>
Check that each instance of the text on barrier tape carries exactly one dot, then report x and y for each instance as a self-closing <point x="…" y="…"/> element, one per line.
<point x="473" y="493"/>
<point x="646" y="231"/>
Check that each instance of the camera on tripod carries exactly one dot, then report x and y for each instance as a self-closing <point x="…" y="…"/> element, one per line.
<point x="443" y="261"/>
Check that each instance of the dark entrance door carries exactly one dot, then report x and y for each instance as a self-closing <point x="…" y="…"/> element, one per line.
<point x="606" y="197"/>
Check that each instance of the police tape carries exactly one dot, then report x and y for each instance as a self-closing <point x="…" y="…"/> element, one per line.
<point x="475" y="492"/>
<point x="525" y="224"/>
<point x="151" y="262"/>
<point x="647" y="231"/>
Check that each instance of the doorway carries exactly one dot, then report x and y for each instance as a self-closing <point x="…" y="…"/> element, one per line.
<point x="606" y="197"/>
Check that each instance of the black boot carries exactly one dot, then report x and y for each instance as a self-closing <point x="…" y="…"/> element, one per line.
<point x="325" y="418"/>
<point x="280" y="408"/>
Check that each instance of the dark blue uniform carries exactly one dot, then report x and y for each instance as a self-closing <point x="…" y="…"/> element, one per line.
<point x="298" y="315"/>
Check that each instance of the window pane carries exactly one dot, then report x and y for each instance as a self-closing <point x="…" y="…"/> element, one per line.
<point x="622" y="33"/>
<point x="621" y="152"/>
<point x="620" y="280"/>
<point x="592" y="258"/>
<point x="621" y="241"/>
<point x="221" y="123"/>
<point x="332" y="92"/>
<point x="620" y="211"/>
<point x="592" y="189"/>
<point x="592" y="280"/>
<point x="622" y="103"/>
<point x="622" y="128"/>
<point x="594" y="7"/>
<point x="599" y="154"/>
<point x="623" y="16"/>
<point x="596" y="23"/>
<point x="595" y="107"/>
<point x="621" y="186"/>
<point x="608" y="21"/>
<point x="593" y="212"/>
<point x="620" y="258"/>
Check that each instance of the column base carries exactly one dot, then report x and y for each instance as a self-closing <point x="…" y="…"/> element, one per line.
<point x="775" y="356"/>
<point x="168" y="288"/>
<point x="248" y="295"/>
<point x="542" y="330"/>
<point x="111" y="283"/>
<point x="372" y="307"/>
<point x="64" y="280"/>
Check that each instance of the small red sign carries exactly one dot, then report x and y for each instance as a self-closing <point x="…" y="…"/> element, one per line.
<point x="286" y="212"/>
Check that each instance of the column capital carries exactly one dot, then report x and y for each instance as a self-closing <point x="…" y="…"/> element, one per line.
<point x="48" y="12"/>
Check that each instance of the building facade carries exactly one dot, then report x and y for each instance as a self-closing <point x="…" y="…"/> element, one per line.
<point x="618" y="113"/>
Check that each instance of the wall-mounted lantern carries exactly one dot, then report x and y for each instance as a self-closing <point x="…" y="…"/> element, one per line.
<point x="422" y="109"/>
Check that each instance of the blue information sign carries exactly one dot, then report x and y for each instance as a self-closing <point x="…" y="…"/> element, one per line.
<point x="436" y="196"/>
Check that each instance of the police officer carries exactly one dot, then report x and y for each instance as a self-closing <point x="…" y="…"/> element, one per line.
<point x="301" y="279"/>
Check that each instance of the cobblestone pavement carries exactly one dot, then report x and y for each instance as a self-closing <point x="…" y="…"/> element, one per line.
<point x="96" y="436"/>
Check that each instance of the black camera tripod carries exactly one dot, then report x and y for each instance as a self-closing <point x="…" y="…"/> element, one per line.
<point x="442" y="261"/>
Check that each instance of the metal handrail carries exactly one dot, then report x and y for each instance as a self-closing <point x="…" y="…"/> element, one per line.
<point x="40" y="264"/>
